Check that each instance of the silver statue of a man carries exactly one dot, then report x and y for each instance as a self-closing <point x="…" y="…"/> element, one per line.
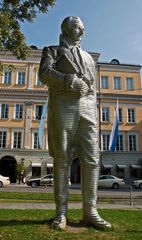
<point x="69" y="73"/>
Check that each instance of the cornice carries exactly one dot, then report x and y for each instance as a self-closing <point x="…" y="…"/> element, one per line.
<point x="95" y="56"/>
<point x="34" y="56"/>
<point x="28" y="97"/>
<point x="131" y="97"/>
<point x="20" y="92"/>
<point x="119" y="67"/>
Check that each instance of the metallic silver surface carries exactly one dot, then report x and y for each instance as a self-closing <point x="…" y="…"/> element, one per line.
<point x="61" y="192"/>
<point x="89" y="194"/>
<point x="69" y="73"/>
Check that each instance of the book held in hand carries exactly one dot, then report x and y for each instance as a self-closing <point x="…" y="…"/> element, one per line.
<point x="65" y="65"/>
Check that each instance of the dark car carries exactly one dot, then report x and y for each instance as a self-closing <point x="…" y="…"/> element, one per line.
<point x="41" y="181"/>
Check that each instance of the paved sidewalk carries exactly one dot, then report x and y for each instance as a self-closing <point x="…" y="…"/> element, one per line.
<point x="76" y="205"/>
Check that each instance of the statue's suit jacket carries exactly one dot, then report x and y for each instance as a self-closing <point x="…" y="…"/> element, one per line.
<point x="72" y="114"/>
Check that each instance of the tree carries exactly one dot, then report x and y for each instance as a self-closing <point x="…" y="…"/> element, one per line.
<point x="20" y="171"/>
<point x="12" y="13"/>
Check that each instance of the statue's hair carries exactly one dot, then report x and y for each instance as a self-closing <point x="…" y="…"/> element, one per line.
<point x="66" y="24"/>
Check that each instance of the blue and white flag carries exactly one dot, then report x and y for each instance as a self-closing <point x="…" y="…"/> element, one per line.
<point x="42" y="122"/>
<point x="114" y="132"/>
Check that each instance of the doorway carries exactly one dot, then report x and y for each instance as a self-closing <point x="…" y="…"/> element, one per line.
<point x="75" y="171"/>
<point x="8" y="168"/>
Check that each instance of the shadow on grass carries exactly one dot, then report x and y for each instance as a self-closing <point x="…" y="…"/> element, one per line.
<point x="13" y="222"/>
<point x="76" y="227"/>
<point x="133" y="231"/>
<point x="81" y="226"/>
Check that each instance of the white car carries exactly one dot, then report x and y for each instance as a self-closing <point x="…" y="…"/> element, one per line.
<point x="137" y="184"/>
<point x="4" y="181"/>
<point x="110" y="181"/>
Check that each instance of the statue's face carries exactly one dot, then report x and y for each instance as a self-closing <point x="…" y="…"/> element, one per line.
<point x="76" y="29"/>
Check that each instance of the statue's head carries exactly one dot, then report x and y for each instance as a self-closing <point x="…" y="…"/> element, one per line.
<point x="73" y="28"/>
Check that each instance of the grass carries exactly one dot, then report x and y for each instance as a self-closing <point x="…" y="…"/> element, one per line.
<point x="10" y="197"/>
<point x="36" y="224"/>
<point x="33" y="197"/>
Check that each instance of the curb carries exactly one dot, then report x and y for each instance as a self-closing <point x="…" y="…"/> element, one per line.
<point x="77" y="205"/>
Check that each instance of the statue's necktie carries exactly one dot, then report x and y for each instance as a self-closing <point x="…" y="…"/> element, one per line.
<point x="78" y="59"/>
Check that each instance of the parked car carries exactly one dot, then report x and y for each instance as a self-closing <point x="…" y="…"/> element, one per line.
<point x="41" y="181"/>
<point x="110" y="181"/>
<point x="137" y="184"/>
<point x="4" y="181"/>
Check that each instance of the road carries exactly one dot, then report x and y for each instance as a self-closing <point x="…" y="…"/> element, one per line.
<point x="122" y="192"/>
<point x="125" y="195"/>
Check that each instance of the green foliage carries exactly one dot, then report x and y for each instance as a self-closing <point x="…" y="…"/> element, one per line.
<point x="20" y="167"/>
<point x="12" y="13"/>
<point x="6" y="68"/>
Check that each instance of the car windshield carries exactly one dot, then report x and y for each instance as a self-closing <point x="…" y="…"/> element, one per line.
<point x="106" y="177"/>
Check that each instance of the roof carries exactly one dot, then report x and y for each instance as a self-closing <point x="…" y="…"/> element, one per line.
<point x="116" y="63"/>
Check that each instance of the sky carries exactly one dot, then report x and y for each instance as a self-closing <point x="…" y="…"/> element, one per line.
<point x="113" y="28"/>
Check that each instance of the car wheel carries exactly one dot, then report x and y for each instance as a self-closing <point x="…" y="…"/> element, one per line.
<point x="115" y="186"/>
<point x="33" y="184"/>
<point x="1" y="184"/>
<point x="140" y="186"/>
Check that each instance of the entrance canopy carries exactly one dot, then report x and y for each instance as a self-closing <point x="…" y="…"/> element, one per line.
<point x="49" y="164"/>
<point x="121" y="166"/>
<point x="136" y="166"/>
<point x="107" y="166"/>
<point x="36" y="164"/>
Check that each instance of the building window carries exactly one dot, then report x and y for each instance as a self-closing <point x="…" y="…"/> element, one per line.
<point x="117" y="83"/>
<point x="132" y="142"/>
<point x="105" y="141"/>
<point x="134" y="173"/>
<point x="120" y="115"/>
<point x="129" y="83"/>
<point x="120" y="143"/>
<point x="38" y="82"/>
<point x="7" y="77"/>
<point x="105" y="114"/>
<point x="104" y="82"/>
<point x="17" y="139"/>
<point x="131" y="115"/>
<point x="3" y="135"/>
<point x="36" y="171"/>
<point x="106" y="171"/>
<point x="21" y="77"/>
<point x="35" y="141"/>
<point x="18" y="111"/>
<point x="4" y="109"/>
<point x="120" y="172"/>
<point x="38" y="112"/>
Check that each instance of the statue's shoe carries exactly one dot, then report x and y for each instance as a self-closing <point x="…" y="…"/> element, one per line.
<point x="59" y="222"/>
<point x="97" y="222"/>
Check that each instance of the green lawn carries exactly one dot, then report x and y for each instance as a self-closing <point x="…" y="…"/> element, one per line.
<point x="33" y="197"/>
<point x="42" y="197"/>
<point x="36" y="225"/>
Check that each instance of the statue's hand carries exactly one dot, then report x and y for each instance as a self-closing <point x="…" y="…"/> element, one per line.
<point x="75" y="82"/>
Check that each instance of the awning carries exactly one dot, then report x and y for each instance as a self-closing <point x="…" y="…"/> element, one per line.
<point x="136" y="166"/>
<point x="49" y="164"/>
<point x="121" y="166"/>
<point x="107" y="166"/>
<point x="36" y="164"/>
